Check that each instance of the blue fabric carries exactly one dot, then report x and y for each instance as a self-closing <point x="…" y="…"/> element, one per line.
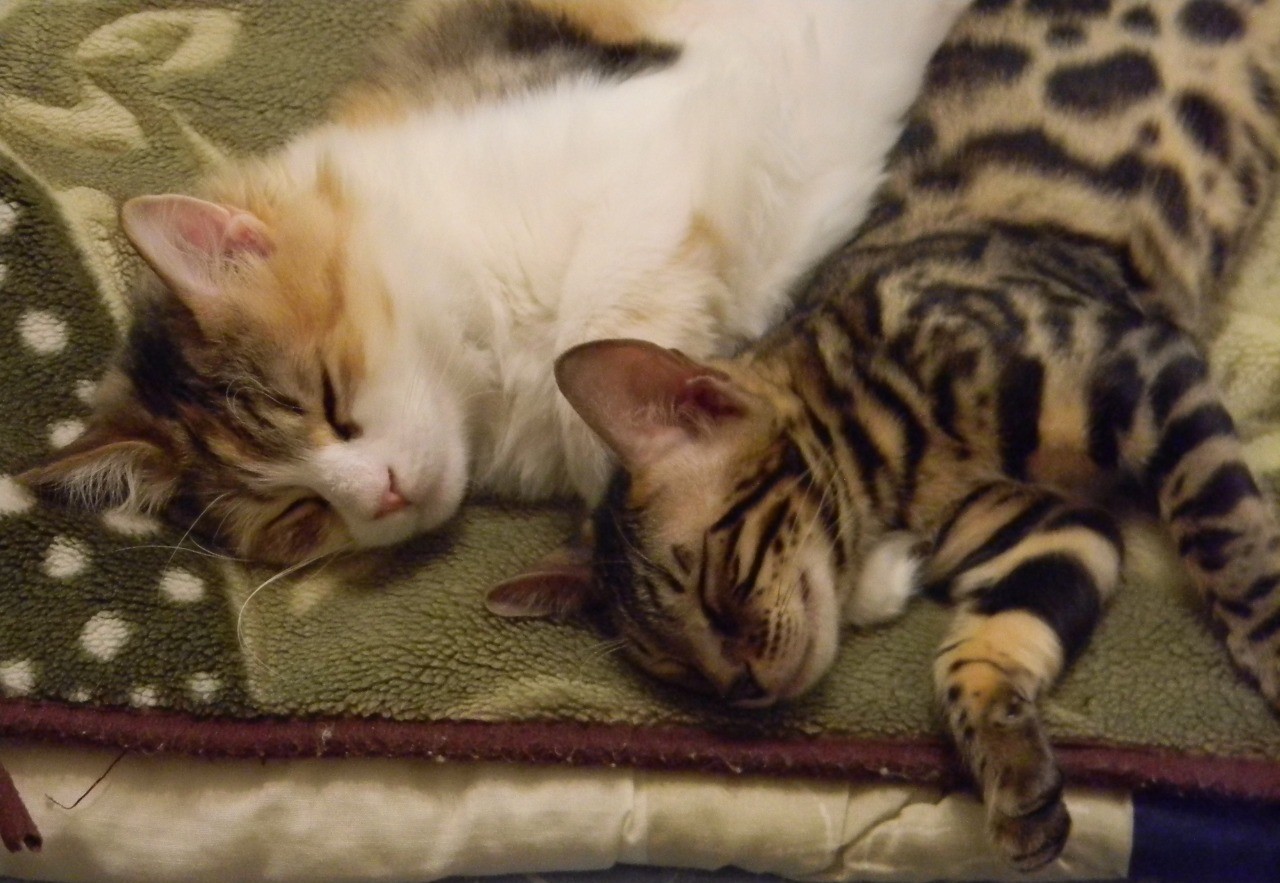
<point x="1204" y="841"/>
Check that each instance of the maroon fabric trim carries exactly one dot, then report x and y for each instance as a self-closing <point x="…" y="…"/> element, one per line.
<point x="662" y="748"/>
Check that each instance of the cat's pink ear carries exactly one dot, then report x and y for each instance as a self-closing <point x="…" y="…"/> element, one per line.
<point x="644" y="400"/>
<point x="558" y="586"/>
<point x="192" y="244"/>
<point x="106" y="467"/>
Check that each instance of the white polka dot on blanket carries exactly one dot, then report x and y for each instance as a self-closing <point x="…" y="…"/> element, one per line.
<point x="65" y="558"/>
<point x="17" y="677"/>
<point x="43" y="332"/>
<point x="203" y="686"/>
<point x="182" y="586"/>
<point x="14" y="498"/>
<point x="85" y="390"/>
<point x="104" y="635"/>
<point x="8" y="217"/>
<point x="64" y="432"/>
<point x="144" y="696"/>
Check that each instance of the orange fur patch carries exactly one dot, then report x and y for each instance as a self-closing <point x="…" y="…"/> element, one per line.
<point x="368" y="105"/>
<point x="609" y="21"/>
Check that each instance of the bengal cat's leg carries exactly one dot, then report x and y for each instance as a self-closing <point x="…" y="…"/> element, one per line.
<point x="1029" y="572"/>
<point x="1185" y="443"/>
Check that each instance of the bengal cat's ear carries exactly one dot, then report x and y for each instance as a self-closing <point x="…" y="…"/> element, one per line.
<point x="642" y="399"/>
<point x="191" y="243"/>
<point x="558" y="586"/>
<point x="107" y="466"/>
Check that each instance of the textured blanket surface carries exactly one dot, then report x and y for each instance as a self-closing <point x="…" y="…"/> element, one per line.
<point x="113" y="627"/>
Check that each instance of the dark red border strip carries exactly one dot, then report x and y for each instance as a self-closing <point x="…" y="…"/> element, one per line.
<point x="662" y="748"/>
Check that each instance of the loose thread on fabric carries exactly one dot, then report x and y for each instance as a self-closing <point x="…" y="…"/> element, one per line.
<point x="96" y="782"/>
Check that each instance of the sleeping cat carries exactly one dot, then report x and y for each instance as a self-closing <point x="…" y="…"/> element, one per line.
<point x="1014" y="331"/>
<point x="353" y="331"/>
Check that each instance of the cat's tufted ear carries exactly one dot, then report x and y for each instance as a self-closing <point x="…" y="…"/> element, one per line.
<point x="107" y="466"/>
<point x="192" y="244"/>
<point x="558" y="586"/>
<point x="644" y="400"/>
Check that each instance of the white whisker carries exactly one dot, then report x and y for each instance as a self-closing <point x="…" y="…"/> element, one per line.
<point x="199" y="550"/>
<point x="291" y="569"/>
<point x="599" y="651"/>
<point x="193" y="524"/>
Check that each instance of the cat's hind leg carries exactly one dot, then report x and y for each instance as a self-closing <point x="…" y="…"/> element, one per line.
<point x="1029" y="572"/>
<point x="1182" y="440"/>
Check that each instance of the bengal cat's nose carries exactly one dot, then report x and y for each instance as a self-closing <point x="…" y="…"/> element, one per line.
<point x="745" y="688"/>
<point x="392" y="500"/>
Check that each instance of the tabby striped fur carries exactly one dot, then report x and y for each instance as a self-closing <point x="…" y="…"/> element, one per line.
<point x="1015" y="331"/>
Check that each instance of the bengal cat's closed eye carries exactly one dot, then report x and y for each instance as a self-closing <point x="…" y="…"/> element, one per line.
<point x="668" y="668"/>
<point x="684" y="558"/>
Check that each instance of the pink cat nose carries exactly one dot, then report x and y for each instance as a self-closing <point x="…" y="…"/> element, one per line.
<point x="392" y="500"/>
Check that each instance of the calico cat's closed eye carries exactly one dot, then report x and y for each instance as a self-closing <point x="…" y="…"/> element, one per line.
<point x="343" y="429"/>
<point x="301" y="508"/>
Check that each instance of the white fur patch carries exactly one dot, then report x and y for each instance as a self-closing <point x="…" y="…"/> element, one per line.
<point x="678" y="207"/>
<point x="130" y="523"/>
<point x="887" y="582"/>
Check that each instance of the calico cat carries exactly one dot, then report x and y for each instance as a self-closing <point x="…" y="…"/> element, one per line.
<point x="351" y="332"/>
<point x="1015" y="330"/>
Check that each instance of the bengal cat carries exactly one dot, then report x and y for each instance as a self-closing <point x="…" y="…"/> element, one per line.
<point x="1015" y="331"/>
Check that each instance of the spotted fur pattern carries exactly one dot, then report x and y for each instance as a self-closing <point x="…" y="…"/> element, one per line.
<point x="1014" y="332"/>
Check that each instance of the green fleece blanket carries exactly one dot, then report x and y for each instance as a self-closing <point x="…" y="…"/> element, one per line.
<point x="101" y="612"/>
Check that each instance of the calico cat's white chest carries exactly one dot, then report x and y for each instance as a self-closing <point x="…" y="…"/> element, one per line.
<point x="677" y="207"/>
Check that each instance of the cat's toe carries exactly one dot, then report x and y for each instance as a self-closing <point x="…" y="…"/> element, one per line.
<point x="1017" y="768"/>
<point x="1033" y="840"/>
<point x="1026" y="785"/>
<point x="1022" y="785"/>
<point x="1029" y="821"/>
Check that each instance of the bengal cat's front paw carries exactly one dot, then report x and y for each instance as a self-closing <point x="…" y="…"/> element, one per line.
<point x="1021" y="784"/>
<point x="1028" y="821"/>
